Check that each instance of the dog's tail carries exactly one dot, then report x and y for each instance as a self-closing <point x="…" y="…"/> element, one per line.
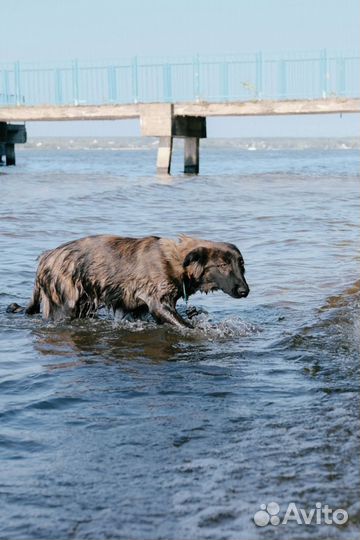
<point x="34" y="305"/>
<point x="14" y="308"/>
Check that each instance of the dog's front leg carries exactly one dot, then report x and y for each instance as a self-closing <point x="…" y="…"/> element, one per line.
<point x="167" y="314"/>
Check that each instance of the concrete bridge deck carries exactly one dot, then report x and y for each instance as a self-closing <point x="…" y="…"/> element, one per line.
<point x="165" y="120"/>
<point x="37" y="113"/>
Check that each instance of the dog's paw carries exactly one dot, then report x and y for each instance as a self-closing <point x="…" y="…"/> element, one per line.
<point x="192" y="311"/>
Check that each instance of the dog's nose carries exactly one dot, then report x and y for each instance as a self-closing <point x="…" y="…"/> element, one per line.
<point x="243" y="293"/>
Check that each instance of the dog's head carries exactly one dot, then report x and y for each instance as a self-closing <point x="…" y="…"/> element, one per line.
<point x="216" y="266"/>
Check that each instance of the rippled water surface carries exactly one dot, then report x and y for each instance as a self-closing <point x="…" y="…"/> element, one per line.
<point x="140" y="431"/>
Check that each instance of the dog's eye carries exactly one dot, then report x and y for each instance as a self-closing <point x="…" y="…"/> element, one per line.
<point x="222" y="266"/>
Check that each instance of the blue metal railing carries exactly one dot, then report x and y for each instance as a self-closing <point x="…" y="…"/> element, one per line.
<point x="305" y="75"/>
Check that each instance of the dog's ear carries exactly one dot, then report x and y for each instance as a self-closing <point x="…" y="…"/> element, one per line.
<point x="195" y="261"/>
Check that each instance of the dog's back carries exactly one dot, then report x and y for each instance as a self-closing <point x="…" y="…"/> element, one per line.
<point x="75" y="278"/>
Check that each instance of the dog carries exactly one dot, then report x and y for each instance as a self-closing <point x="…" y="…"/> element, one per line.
<point x="134" y="276"/>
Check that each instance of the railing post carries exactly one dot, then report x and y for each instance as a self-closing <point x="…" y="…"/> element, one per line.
<point x="224" y="81"/>
<point x="323" y="73"/>
<point x="6" y="86"/>
<point x="135" y="79"/>
<point x="282" y="79"/>
<point x="341" y="76"/>
<point x="167" y="87"/>
<point x="196" y="74"/>
<point x="17" y="81"/>
<point x="112" y="83"/>
<point x="58" y="87"/>
<point x="259" y="75"/>
<point x="75" y="73"/>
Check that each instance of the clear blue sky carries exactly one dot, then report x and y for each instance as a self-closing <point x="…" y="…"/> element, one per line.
<point x="49" y="30"/>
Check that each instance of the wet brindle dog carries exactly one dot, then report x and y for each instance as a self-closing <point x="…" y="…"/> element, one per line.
<point x="133" y="276"/>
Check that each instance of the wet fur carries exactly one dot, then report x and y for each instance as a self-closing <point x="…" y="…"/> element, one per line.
<point x="133" y="276"/>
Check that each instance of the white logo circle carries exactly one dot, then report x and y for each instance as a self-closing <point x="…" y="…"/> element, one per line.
<point x="273" y="508"/>
<point x="340" y="520"/>
<point x="274" y="520"/>
<point x="261" y="518"/>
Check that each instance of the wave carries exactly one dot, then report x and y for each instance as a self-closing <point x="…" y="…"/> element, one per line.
<point x="329" y="347"/>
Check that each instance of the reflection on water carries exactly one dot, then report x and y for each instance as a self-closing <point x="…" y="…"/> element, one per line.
<point x="108" y="341"/>
<point x="136" y="430"/>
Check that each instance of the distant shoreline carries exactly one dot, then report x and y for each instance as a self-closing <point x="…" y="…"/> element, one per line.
<point x="150" y="143"/>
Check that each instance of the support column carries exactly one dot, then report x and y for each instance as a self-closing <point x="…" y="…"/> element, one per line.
<point x="191" y="155"/>
<point x="191" y="129"/>
<point x="163" y="164"/>
<point x="10" y="134"/>
<point x="10" y="154"/>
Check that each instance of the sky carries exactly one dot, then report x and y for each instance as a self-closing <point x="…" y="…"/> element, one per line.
<point x="54" y="30"/>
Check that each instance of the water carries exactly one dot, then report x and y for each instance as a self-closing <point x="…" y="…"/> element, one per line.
<point x="140" y="431"/>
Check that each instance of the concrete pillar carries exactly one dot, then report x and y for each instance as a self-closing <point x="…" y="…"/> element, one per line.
<point x="191" y="129"/>
<point x="191" y="155"/>
<point x="163" y="164"/>
<point x="10" y="134"/>
<point x="10" y="154"/>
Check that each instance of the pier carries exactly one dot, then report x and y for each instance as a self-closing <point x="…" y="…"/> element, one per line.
<point x="173" y="98"/>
